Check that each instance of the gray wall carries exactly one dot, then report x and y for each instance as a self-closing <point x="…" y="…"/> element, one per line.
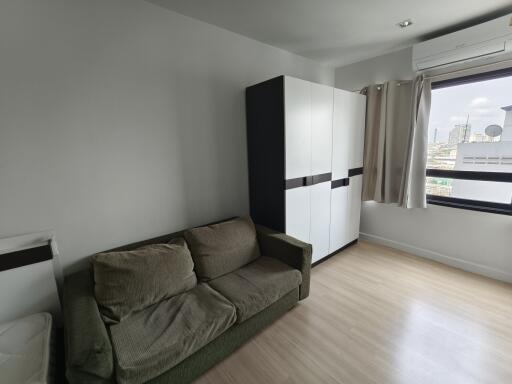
<point x="479" y="242"/>
<point x="120" y="120"/>
<point x="393" y="66"/>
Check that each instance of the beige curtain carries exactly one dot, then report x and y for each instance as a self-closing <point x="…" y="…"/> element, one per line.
<point x="396" y="142"/>
<point x="412" y="191"/>
<point x="388" y="115"/>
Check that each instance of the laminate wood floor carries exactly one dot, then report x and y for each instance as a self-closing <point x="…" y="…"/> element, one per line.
<point x="378" y="315"/>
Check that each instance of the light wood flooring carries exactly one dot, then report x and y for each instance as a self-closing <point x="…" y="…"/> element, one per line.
<point x="378" y="315"/>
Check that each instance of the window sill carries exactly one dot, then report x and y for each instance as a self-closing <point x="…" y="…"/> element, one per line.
<point x="472" y="205"/>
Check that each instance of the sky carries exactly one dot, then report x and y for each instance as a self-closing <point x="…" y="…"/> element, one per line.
<point x="482" y="101"/>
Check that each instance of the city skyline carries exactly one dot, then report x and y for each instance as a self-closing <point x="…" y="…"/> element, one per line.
<point x="482" y="101"/>
<point x="462" y="144"/>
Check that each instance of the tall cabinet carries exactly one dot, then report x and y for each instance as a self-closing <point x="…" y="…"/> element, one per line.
<point x="347" y="167"/>
<point x="305" y="157"/>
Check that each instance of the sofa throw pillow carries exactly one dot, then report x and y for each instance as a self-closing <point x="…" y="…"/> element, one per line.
<point x="222" y="248"/>
<point x="128" y="281"/>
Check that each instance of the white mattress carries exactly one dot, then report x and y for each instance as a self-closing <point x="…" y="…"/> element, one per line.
<point x="25" y="350"/>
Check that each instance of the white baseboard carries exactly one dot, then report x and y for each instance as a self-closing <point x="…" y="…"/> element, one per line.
<point x="449" y="260"/>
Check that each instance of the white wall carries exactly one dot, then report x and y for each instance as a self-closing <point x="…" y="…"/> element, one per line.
<point x="120" y="120"/>
<point x="393" y="66"/>
<point x="479" y="242"/>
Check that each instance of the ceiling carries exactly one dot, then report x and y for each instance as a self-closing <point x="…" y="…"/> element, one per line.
<point x="339" y="32"/>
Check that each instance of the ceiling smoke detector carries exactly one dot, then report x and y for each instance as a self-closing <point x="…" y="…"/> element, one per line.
<point x="405" y="23"/>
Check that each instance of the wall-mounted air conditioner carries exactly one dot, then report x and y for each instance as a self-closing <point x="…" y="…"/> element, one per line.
<point x="484" y="41"/>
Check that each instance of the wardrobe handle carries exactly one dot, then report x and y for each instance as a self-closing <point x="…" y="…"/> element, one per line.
<point x="340" y="183"/>
<point x="321" y="178"/>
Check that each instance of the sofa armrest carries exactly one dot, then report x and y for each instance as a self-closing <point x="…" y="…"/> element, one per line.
<point x="89" y="357"/>
<point x="289" y="250"/>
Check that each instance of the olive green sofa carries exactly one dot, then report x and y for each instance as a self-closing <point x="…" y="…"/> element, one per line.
<point x="90" y="351"/>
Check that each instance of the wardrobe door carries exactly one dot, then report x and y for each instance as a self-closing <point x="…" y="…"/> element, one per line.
<point x="356" y="136"/>
<point x="339" y="218"/>
<point x="320" y="219"/>
<point x="298" y="215"/>
<point x="297" y="119"/>
<point x="340" y="158"/>
<point x="354" y="206"/>
<point x="321" y="128"/>
<point x="356" y="132"/>
<point x="340" y="134"/>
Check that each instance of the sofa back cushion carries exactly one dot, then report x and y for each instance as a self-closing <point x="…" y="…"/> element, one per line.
<point x="222" y="248"/>
<point x="129" y="281"/>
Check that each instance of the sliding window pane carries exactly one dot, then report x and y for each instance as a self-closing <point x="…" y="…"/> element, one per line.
<point x="439" y="186"/>
<point x="470" y="127"/>
<point x="489" y="191"/>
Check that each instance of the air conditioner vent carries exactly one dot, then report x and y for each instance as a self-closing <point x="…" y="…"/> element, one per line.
<point x="492" y="39"/>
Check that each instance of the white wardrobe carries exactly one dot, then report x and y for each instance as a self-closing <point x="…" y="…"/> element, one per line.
<point x="347" y="163"/>
<point x="305" y="151"/>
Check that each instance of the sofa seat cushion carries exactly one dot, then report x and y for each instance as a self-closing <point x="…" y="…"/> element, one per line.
<point x="221" y="248"/>
<point x="151" y="341"/>
<point x="257" y="285"/>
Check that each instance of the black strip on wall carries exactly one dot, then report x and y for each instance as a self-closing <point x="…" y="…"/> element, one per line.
<point x="340" y="183"/>
<point x="24" y="257"/>
<point x="355" y="171"/>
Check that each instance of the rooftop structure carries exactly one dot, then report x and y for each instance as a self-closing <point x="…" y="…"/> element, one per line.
<point x="507" y="125"/>
<point x="486" y="157"/>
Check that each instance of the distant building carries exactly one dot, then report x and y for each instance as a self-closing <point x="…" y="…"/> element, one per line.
<point x="453" y="138"/>
<point x="507" y="125"/>
<point x="460" y="133"/>
<point x="479" y="138"/>
<point x="486" y="156"/>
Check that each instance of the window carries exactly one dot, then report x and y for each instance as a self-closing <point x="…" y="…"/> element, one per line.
<point x="470" y="143"/>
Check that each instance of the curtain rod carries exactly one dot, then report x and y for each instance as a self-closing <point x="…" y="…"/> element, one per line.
<point x="398" y="83"/>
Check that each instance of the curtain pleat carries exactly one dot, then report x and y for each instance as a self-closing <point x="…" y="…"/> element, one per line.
<point x="373" y="155"/>
<point x="388" y="117"/>
<point x="413" y="181"/>
<point x="396" y="142"/>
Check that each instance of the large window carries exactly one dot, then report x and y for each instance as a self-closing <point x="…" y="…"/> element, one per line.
<point x="470" y="143"/>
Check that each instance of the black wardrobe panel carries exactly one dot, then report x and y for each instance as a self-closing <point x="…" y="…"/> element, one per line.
<point x="24" y="257"/>
<point x="340" y="183"/>
<point x="355" y="171"/>
<point x="265" y="148"/>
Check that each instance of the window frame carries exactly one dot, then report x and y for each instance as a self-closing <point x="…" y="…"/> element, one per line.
<point x="455" y="202"/>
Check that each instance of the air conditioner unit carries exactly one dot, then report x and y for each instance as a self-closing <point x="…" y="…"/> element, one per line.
<point x="484" y="41"/>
